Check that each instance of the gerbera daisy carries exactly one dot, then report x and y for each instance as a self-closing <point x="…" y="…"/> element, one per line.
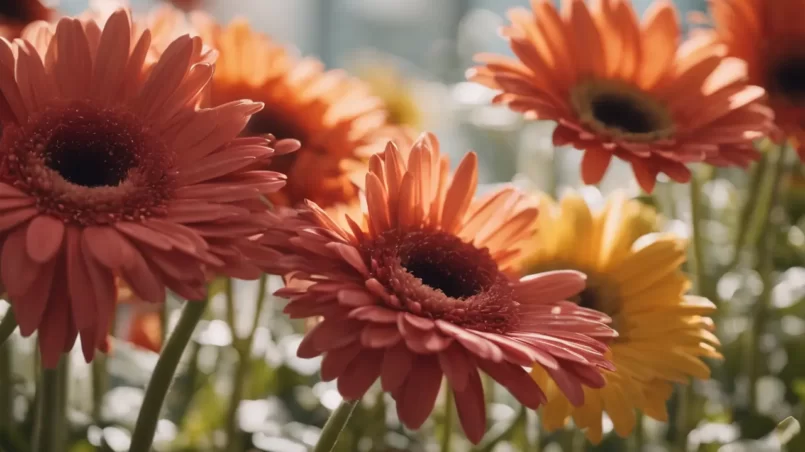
<point x="620" y="88"/>
<point x="769" y="37"/>
<point x="419" y="288"/>
<point x="107" y="170"/>
<point x="16" y="14"/>
<point x="339" y="123"/>
<point x="633" y="276"/>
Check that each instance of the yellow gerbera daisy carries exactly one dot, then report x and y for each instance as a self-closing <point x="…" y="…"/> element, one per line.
<point x="634" y="276"/>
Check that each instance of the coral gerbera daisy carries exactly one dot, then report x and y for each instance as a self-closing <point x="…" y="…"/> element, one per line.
<point x="16" y="14"/>
<point x="633" y="276"/>
<point x="418" y="288"/>
<point x="619" y="88"/>
<point x="109" y="170"/>
<point x="769" y="37"/>
<point x="339" y="123"/>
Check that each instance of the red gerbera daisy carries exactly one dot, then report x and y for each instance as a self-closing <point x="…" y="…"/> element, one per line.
<point x="108" y="169"/>
<point x="418" y="288"/>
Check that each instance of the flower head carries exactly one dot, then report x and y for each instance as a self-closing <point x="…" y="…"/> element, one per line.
<point x="339" y="123"/>
<point x="618" y="88"/>
<point x="109" y="170"/>
<point x="633" y="276"/>
<point x="769" y="37"/>
<point x="419" y="288"/>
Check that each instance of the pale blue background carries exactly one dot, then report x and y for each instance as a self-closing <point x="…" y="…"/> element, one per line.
<point x="422" y="32"/>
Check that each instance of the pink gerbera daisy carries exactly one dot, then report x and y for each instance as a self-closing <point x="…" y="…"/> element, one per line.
<point x="109" y="170"/>
<point x="419" y="288"/>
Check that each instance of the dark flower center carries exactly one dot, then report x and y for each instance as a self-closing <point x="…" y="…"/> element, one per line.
<point x="443" y="262"/>
<point x="621" y="110"/>
<point x="91" y="151"/>
<point x="624" y="113"/>
<point x="87" y="164"/>
<point x="437" y="275"/>
<point x="788" y="80"/>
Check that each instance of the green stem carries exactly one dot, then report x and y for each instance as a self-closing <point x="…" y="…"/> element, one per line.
<point x="7" y="326"/>
<point x="242" y="371"/>
<point x="334" y="426"/>
<point x="697" y="267"/>
<point x="489" y="445"/>
<point x="449" y="413"/>
<point x="49" y="419"/>
<point x="747" y="210"/>
<point x="697" y="270"/>
<point x="164" y="318"/>
<point x="61" y="427"/>
<point x="578" y="443"/>
<point x="6" y="386"/>
<point x="765" y="267"/>
<point x="637" y="441"/>
<point x="99" y="376"/>
<point x="163" y="374"/>
<point x="243" y="347"/>
<point x="229" y="294"/>
<point x="538" y="434"/>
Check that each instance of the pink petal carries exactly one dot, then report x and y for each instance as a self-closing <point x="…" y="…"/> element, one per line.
<point x="336" y="361"/>
<point x="457" y="367"/>
<point x="142" y="279"/>
<point x="107" y="246"/>
<point x="418" y="394"/>
<point x="360" y="374"/>
<point x="17" y="269"/>
<point x="471" y="407"/>
<point x="550" y="286"/>
<point x="380" y="335"/>
<point x="44" y="238"/>
<point x="516" y="380"/>
<point x="569" y="385"/>
<point x="377" y="314"/>
<point x="398" y="361"/>
<point x="475" y="344"/>
<point x="355" y="298"/>
<point x="79" y="283"/>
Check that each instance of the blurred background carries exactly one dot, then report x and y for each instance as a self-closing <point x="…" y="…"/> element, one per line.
<point x="415" y="53"/>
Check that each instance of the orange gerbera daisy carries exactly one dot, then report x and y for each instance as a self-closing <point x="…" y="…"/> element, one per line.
<point x="108" y="169"/>
<point x="339" y="123"/>
<point x="619" y="88"/>
<point x="419" y="288"/>
<point x="769" y="37"/>
<point x="16" y="14"/>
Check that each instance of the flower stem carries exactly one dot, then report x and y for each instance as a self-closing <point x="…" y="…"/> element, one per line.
<point x="447" y="425"/>
<point x="163" y="374"/>
<point x="489" y="446"/>
<point x="335" y="425"/>
<point x="6" y="386"/>
<point x="98" y="387"/>
<point x="637" y="441"/>
<point x="7" y="326"/>
<point x="697" y="270"/>
<point x="243" y="347"/>
<point x="747" y="210"/>
<point x="242" y="371"/>
<point x="765" y="267"/>
<point x="50" y="415"/>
